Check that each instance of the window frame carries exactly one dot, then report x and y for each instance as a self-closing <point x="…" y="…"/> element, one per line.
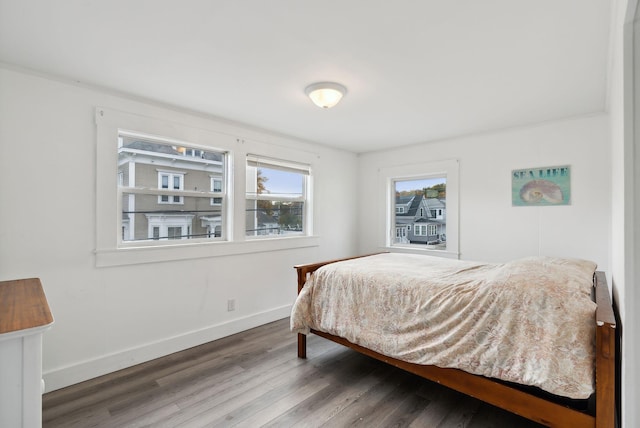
<point x="175" y="196"/>
<point x="255" y="161"/>
<point x="426" y="170"/>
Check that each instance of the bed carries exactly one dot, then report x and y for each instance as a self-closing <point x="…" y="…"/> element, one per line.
<point x="535" y="336"/>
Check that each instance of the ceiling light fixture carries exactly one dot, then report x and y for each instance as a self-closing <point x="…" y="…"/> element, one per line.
<point x="325" y="94"/>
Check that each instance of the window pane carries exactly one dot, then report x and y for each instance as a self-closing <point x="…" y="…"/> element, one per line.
<point x="274" y="218"/>
<point x="421" y="203"/>
<point x="144" y="219"/>
<point x="277" y="182"/>
<point x="216" y="185"/>
<point x="176" y="171"/>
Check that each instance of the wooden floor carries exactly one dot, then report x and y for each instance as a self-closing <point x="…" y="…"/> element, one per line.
<point x="255" y="379"/>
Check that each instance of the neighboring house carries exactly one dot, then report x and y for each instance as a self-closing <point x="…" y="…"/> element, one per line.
<point x="280" y="219"/>
<point x="267" y="225"/>
<point x="163" y="167"/>
<point x="420" y="220"/>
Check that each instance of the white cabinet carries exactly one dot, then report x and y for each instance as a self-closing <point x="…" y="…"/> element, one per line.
<point x="24" y="316"/>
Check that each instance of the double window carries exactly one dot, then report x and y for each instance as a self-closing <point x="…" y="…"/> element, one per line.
<point x="171" y="191"/>
<point x="170" y="180"/>
<point x="187" y="190"/>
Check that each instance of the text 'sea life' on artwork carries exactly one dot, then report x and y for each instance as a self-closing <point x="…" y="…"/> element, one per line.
<point x="544" y="186"/>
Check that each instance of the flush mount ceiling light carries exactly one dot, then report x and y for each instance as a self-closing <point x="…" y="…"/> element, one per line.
<point x="325" y="94"/>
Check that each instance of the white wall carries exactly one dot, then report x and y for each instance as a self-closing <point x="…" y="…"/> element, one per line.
<point x="113" y="317"/>
<point x="490" y="228"/>
<point x="624" y="102"/>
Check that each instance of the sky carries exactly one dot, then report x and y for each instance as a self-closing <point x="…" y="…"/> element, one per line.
<point x="420" y="184"/>
<point x="283" y="182"/>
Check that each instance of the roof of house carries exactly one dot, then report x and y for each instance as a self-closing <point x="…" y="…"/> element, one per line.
<point x="435" y="203"/>
<point x="150" y="146"/>
<point x="264" y="218"/>
<point x="413" y="208"/>
<point x="404" y="200"/>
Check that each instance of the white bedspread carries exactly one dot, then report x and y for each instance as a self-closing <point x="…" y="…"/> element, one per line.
<point x="530" y="321"/>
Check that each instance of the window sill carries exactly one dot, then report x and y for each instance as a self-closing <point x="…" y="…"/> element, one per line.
<point x="419" y="249"/>
<point x="138" y="255"/>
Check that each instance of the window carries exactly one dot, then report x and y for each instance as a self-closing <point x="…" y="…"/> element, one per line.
<point x="429" y="193"/>
<point x="174" y="196"/>
<point x="276" y="197"/>
<point x="421" y="194"/>
<point x="399" y="210"/>
<point x="175" y="232"/>
<point x="156" y="175"/>
<point x="174" y="181"/>
<point x="420" y="230"/>
<point x="216" y="187"/>
<point x="193" y="153"/>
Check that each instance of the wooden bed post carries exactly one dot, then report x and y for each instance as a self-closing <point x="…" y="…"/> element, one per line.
<point x="302" y="339"/>
<point x="302" y="346"/>
<point x="605" y="355"/>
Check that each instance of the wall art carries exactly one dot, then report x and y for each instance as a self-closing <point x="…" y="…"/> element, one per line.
<point x="544" y="186"/>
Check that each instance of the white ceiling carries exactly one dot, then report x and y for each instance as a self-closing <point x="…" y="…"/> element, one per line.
<point x="415" y="71"/>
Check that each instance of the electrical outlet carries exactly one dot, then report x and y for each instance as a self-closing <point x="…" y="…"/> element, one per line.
<point x="231" y="305"/>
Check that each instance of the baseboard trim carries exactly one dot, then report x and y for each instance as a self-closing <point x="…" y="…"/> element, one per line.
<point x="69" y="375"/>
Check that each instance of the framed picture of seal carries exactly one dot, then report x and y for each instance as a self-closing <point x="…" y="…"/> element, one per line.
<point x="544" y="186"/>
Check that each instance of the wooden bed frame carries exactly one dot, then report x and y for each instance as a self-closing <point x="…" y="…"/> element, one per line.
<point x="545" y="411"/>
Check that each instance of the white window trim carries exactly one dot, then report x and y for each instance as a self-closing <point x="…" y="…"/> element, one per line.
<point x="386" y="223"/>
<point x="201" y="133"/>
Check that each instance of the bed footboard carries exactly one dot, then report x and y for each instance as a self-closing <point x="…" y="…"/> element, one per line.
<point x="511" y="399"/>
<point x="304" y="271"/>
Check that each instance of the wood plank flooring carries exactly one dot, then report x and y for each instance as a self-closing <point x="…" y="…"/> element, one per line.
<point x="254" y="379"/>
